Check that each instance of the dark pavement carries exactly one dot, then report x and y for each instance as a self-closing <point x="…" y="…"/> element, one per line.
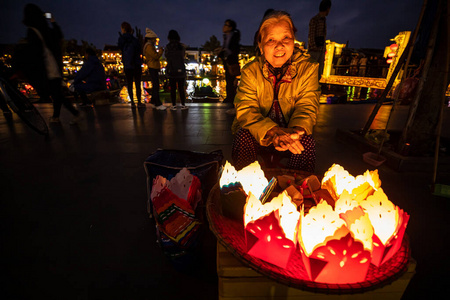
<point x="74" y="221"/>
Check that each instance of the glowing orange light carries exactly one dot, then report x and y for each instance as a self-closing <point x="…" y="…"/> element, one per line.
<point x="393" y="47"/>
<point x="271" y="228"/>
<point x="337" y="244"/>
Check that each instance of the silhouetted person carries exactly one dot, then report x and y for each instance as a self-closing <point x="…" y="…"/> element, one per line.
<point x="317" y="34"/>
<point x="43" y="65"/>
<point x="131" y="59"/>
<point x="90" y="78"/>
<point x="175" y="69"/>
<point x="229" y="53"/>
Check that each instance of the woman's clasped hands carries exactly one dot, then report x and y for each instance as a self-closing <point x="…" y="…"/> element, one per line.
<point x="287" y="139"/>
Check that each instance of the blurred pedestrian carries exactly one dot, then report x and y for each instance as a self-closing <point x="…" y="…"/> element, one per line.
<point x="90" y="78"/>
<point x="176" y="70"/>
<point x="317" y="34"/>
<point x="43" y="65"/>
<point x="152" y="55"/>
<point x="229" y="53"/>
<point x="131" y="59"/>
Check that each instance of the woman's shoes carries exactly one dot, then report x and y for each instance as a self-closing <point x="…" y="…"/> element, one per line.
<point x="161" y="107"/>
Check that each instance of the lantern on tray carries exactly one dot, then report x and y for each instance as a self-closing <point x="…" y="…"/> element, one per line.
<point x="339" y="236"/>
<point x="337" y="179"/>
<point x="271" y="228"/>
<point x="329" y="251"/>
<point x="389" y="224"/>
<point x="236" y="185"/>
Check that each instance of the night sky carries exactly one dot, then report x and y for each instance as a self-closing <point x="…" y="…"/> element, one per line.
<point x="363" y="23"/>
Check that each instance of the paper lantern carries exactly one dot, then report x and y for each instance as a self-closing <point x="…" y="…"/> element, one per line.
<point x="329" y="251"/>
<point x="186" y="186"/>
<point x="271" y="228"/>
<point x="231" y="193"/>
<point x="318" y="226"/>
<point x="389" y="223"/>
<point x="253" y="179"/>
<point x="359" y="224"/>
<point x="339" y="261"/>
<point x="345" y="203"/>
<point x="229" y="178"/>
<point x="337" y="179"/>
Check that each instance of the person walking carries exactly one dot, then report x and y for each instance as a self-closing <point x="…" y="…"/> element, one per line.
<point x="42" y="64"/>
<point x="90" y="78"/>
<point x="229" y="53"/>
<point x="131" y="59"/>
<point x="317" y="34"/>
<point x="176" y="70"/>
<point x="152" y="56"/>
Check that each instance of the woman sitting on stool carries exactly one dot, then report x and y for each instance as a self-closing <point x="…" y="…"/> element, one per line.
<point x="277" y="100"/>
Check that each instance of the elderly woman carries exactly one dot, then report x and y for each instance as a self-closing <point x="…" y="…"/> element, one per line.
<point x="277" y="100"/>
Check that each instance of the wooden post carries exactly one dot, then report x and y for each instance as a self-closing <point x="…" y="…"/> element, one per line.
<point x="441" y="113"/>
<point x="409" y="47"/>
<point x="423" y="78"/>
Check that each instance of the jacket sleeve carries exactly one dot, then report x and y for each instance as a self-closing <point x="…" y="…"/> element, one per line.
<point x="150" y="52"/>
<point x="248" y="111"/>
<point x="306" y="105"/>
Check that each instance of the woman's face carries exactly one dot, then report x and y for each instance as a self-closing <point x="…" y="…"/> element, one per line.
<point x="277" y="43"/>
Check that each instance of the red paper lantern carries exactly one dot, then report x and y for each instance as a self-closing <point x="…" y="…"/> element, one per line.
<point x="271" y="228"/>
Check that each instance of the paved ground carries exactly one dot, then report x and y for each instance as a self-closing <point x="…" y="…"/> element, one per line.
<point x="73" y="208"/>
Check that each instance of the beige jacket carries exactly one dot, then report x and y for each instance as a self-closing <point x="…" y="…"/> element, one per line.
<point x="299" y="99"/>
<point x="151" y="56"/>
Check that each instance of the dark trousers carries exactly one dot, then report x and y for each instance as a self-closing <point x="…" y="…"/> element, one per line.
<point x="56" y="92"/>
<point x="134" y="75"/>
<point x="84" y="88"/>
<point x="53" y="88"/>
<point x="173" y="83"/>
<point x="245" y="150"/>
<point x="231" y="87"/>
<point x="154" y="78"/>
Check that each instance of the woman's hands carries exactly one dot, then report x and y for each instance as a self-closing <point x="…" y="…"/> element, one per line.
<point x="287" y="139"/>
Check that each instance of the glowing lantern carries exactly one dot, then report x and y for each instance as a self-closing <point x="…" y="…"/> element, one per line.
<point x="318" y="225"/>
<point x="231" y="193"/>
<point x="392" y="54"/>
<point x="360" y="226"/>
<point x="271" y="228"/>
<point x="253" y="179"/>
<point x="389" y="223"/>
<point x="328" y="250"/>
<point x="345" y="203"/>
<point x="393" y="47"/>
<point x="337" y="179"/>
<point x="229" y="176"/>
